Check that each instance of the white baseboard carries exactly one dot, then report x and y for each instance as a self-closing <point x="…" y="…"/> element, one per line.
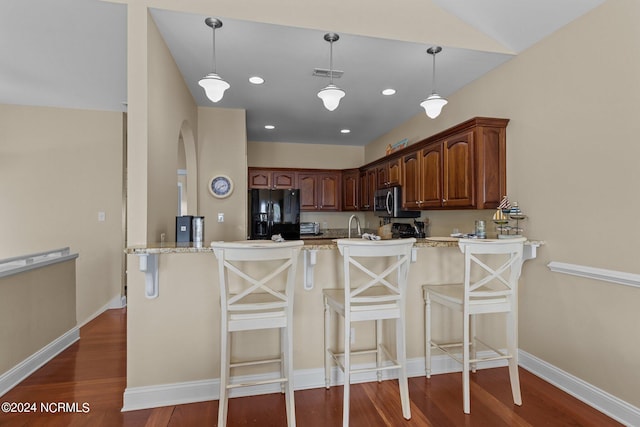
<point x="15" y="375"/>
<point x="198" y="391"/>
<point x="604" y="402"/>
<point x="115" y="302"/>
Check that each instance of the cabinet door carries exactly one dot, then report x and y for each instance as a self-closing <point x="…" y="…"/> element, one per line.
<point x="394" y="167"/>
<point x="284" y="179"/>
<point x="411" y="181"/>
<point x="382" y="174"/>
<point x="368" y="185"/>
<point x="431" y="176"/>
<point x="307" y="184"/>
<point x="458" y="171"/>
<point x="259" y="178"/>
<point x="350" y="190"/>
<point x="329" y="192"/>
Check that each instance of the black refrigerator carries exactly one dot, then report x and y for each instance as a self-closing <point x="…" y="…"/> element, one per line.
<point x="274" y="212"/>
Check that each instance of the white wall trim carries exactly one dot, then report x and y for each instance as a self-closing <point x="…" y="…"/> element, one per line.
<point x="604" y="402"/>
<point x="613" y="276"/>
<point x="198" y="391"/>
<point x="117" y="301"/>
<point x="22" y="370"/>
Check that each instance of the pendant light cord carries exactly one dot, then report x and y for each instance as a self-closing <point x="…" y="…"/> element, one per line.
<point x="433" y="75"/>
<point x="214" y="50"/>
<point x="331" y="62"/>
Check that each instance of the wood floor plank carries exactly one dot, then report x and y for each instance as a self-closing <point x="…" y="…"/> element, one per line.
<point x="93" y="371"/>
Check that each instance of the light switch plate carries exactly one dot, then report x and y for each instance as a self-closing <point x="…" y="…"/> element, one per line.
<point x="101" y="216"/>
<point x="220" y="217"/>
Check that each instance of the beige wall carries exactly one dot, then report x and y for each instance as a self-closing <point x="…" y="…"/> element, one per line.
<point x="572" y="155"/>
<point x="170" y="104"/>
<point x="58" y="169"/>
<point x="223" y="150"/>
<point x="313" y="156"/>
<point x="50" y="293"/>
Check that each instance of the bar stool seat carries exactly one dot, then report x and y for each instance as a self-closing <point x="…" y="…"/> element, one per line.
<point x="256" y="297"/>
<point x="486" y="289"/>
<point x="375" y="281"/>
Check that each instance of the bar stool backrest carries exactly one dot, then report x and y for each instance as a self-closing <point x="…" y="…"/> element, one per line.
<point x="253" y="279"/>
<point x="484" y="280"/>
<point x="354" y="251"/>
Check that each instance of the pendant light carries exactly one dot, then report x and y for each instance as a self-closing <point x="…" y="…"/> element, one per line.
<point x="332" y="94"/>
<point x="213" y="85"/>
<point x="434" y="102"/>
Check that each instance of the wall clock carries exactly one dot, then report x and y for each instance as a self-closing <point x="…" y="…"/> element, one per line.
<point x="220" y="186"/>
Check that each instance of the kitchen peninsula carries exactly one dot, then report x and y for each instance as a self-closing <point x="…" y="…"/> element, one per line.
<point x="176" y="333"/>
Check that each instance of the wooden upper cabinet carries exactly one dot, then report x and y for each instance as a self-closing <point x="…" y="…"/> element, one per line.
<point x="368" y="186"/>
<point x="411" y="181"/>
<point x="462" y="167"/>
<point x="388" y="173"/>
<point x="431" y="176"/>
<point x="350" y="190"/>
<point x="459" y="168"/>
<point x="319" y="191"/>
<point x="271" y="178"/>
<point x="422" y="178"/>
<point x="458" y="173"/>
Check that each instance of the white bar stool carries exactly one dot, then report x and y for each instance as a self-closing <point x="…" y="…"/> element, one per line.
<point x="485" y="290"/>
<point x="253" y="303"/>
<point x="370" y="292"/>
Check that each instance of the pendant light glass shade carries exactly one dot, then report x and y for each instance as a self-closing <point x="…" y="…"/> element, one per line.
<point x="332" y="94"/>
<point x="434" y="102"/>
<point x="433" y="105"/>
<point x="212" y="83"/>
<point x="214" y="86"/>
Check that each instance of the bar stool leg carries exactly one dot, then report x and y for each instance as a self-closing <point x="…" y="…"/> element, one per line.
<point x="512" y="347"/>
<point x="347" y="369"/>
<point x="327" y="356"/>
<point x="465" y="365"/>
<point x="427" y="328"/>
<point x="472" y="342"/>
<point x="287" y="352"/>
<point x="379" y="349"/>
<point x="225" y="356"/>
<point x="402" y="360"/>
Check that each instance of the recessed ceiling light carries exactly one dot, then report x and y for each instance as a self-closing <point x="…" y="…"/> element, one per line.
<point x="389" y="91"/>
<point x="256" y="80"/>
<point x="345" y="131"/>
<point x="269" y="127"/>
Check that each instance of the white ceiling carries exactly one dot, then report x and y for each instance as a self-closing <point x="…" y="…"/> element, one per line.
<point x="72" y="54"/>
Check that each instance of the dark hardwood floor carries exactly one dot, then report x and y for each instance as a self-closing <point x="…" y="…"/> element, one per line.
<point x="92" y="371"/>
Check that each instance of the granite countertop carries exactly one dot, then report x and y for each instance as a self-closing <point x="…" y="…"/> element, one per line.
<point x="309" y="244"/>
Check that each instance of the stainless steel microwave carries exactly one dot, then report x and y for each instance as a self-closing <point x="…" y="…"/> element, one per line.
<point x="388" y="203"/>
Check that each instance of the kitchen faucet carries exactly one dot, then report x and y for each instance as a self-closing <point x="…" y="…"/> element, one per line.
<point x="357" y="225"/>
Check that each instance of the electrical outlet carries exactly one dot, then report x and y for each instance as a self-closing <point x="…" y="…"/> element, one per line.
<point x="220" y="216"/>
<point x="353" y="335"/>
